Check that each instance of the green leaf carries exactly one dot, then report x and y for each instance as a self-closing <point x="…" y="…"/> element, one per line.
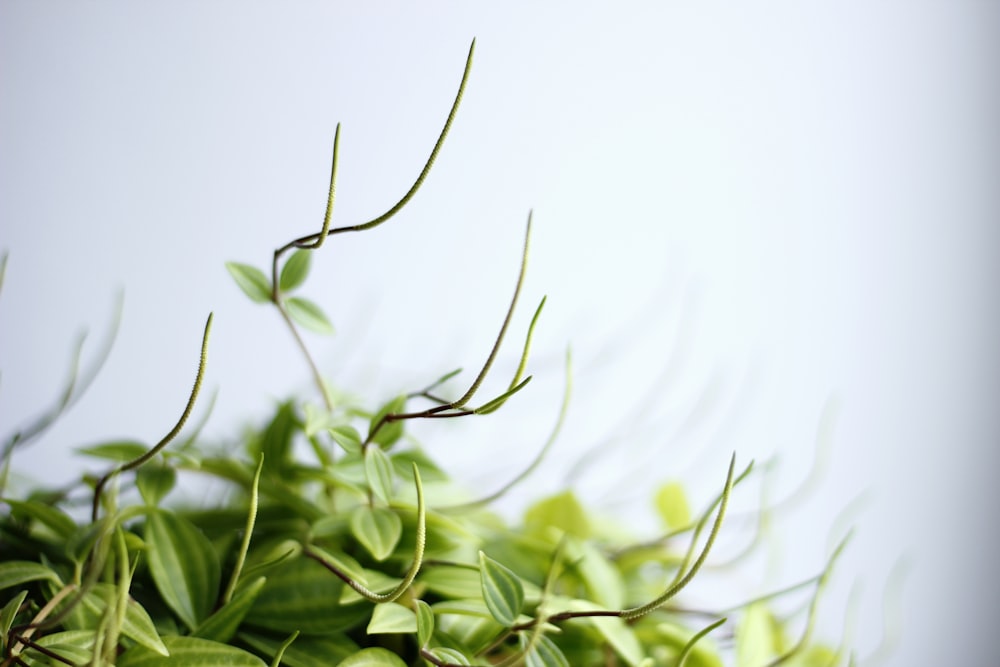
<point x="755" y="640"/>
<point x="672" y="504"/>
<point x="183" y="564"/>
<point x="8" y="613"/>
<point x="392" y="618"/>
<point x="137" y="625"/>
<point x="425" y="623"/>
<point x="378" y="473"/>
<point x="155" y="481"/>
<point x="190" y="652"/>
<point x="502" y="590"/>
<point x="305" y="651"/>
<point x="449" y="656"/>
<point x="295" y="270"/>
<point x="49" y="516"/>
<point x="543" y="654"/>
<point x="614" y="630"/>
<point x="373" y="657"/>
<point x="390" y="432"/>
<point x="317" y="419"/>
<point x="347" y="437"/>
<point x="76" y="646"/>
<point x="222" y="625"/>
<point x="562" y="511"/>
<point x="251" y="280"/>
<point x="452" y="582"/>
<point x="15" y="572"/>
<point x="276" y="441"/>
<point x="309" y="315"/>
<point x="118" y="450"/>
<point x="378" y="529"/>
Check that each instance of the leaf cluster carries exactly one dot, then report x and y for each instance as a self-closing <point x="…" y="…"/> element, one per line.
<point x="341" y="541"/>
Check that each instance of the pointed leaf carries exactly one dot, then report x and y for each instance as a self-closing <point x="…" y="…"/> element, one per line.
<point x="137" y="625"/>
<point x="16" y="572"/>
<point x="392" y="618"/>
<point x="183" y="564"/>
<point x="119" y="450"/>
<point x="425" y="623"/>
<point x="347" y="437"/>
<point x="754" y="638"/>
<point x="449" y="656"/>
<point x="378" y="472"/>
<point x="373" y="657"/>
<point x="8" y="613"/>
<point x="155" y="481"/>
<point x="190" y="652"/>
<point x="309" y="315"/>
<point x="251" y="280"/>
<point x="378" y="529"/>
<point x="562" y="511"/>
<point x="222" y="625"/>
<point x="502" y="590"/>
<point x="48" y="515"/>
<point x="295" y="270"/>
<point x="672" y="504"/>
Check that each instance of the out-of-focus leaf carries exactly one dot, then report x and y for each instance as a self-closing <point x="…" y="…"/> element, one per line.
<point x="16" y="572"/>
<point x="562" y="511"/>
<point x="449" y="656"/>
<point x="672" y="504"/>
<point x="392" y="618"/>
<point x="373" y="657"/>
<point x="754" y="637"/>
<point x="457" y="583"/>
<point x="77" y="646"/>
<point x="295" y="270"/>
<point x="8" y="613"/>
<point x="347" y="437"/>
<point x="390" y="432"/>
<point x="502" y="590"/>
<point x="276" y="441"/>
<point x="378" y="472"/>
<point x="184" y="566"/>
<point x="425" y="623"/>
<point x="155" y="481"/>
<point x="378" y="529"/>
<point x="190" y="652"/>
<point x="544" y="653"/>
<point x="305" y="651"/>
<point x="118" y="450"/>
<point x="251" y="280"/>
<point x="49" y="516"/>
<point x="309" y="315"/>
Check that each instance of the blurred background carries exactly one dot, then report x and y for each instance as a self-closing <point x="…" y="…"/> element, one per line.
<point x="760" y="227"/>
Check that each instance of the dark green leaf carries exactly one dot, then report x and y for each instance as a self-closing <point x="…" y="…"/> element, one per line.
<point x="373" y="657"/>
<point x="119" y="450"/>
<point x="378" y="529"/>
<point x="378" y="473"/>
<point x="8" y="613"/>
<point x="390" y="432"/>
<point x="190" y="652"/>
<point x="502" y="590"/>
<point x="49" y="516"/>
<point x="155" y="481"/>
<point x="295" y="270"/>
<point x="222" y="625"/>
<point x="309" y="315"/>
<point x="251" y="280"/>
<point x="276" y="441"/>
<point x="183" y="564"/>
<point x="392" y="618"/>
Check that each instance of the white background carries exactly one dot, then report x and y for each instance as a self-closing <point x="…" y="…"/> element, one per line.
<point x="743" y="213"/>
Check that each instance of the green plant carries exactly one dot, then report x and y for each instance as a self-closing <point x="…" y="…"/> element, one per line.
<point x="357" y="554"/>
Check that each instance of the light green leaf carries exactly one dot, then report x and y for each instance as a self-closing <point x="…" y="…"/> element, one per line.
<point x="378" y="529"/>
<point x="155" y="481"/>
<point x="305" y="651"/>
<point x="347" y="437"/>
<point x="425" y="623"/>
<point x="295" y="270"/>
<point x="392" y="618"/>
<point x="317" y="419"/>
<point x="755" y="643"/>
<point x="672" y="504"/>
<point x="390" y="432"/>
<point x="449" y="656"/>
<point x="562" y="511"/>
<point x="251" y="280"/>
<point x="77" y="646"/>
<point x="453" y="582"/>
<point x="544" y="653"/>
<point x="118" y="450"/>
<point x="183" y="564"/>
<point x="373" y="657"/>
<point x="137" y="625"/>
<point x="378" y="472"/>
<point x="309" y="315"/>
<point x="190" y="652"/>
<point x="8" y="613"/>
<point x="600" y="577"/>
<point x="502" y="590"/>
<point x="222" y="625"/>
<point x="49" y="516"/>
<point x="16" y="572"/>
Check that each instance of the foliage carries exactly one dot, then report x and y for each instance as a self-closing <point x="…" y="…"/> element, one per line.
<point x="357" y="554"/>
